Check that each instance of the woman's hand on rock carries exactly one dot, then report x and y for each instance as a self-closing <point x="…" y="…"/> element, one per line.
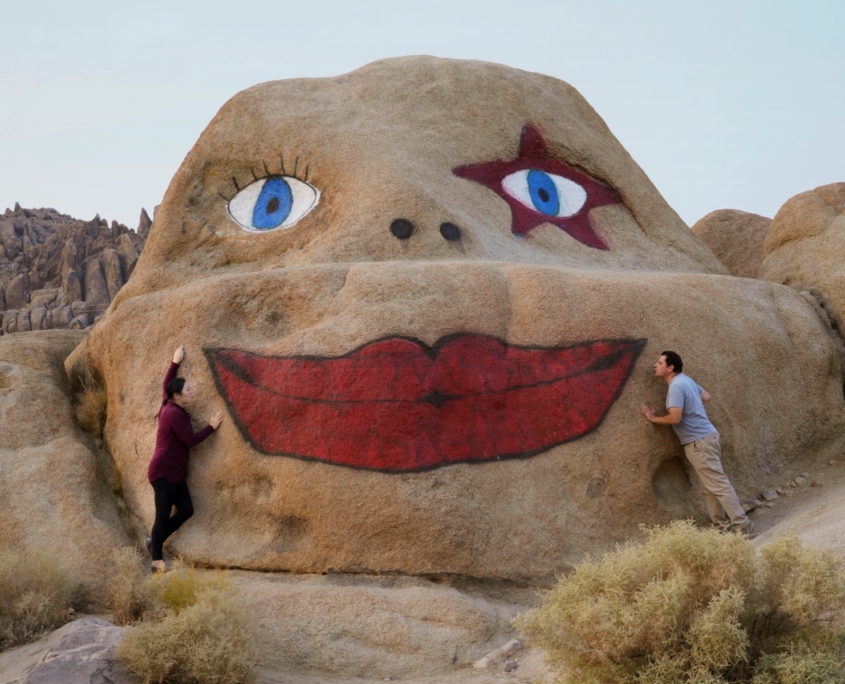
<point x="216" y="419"/>
<point x="179" y="354"/>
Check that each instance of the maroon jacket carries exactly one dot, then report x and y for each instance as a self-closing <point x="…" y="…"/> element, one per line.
<point x="174" y="439"/>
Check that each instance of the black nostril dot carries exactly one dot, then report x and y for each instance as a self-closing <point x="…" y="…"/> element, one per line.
<point x="450" y="231"/>
<point x="402" y="228"/>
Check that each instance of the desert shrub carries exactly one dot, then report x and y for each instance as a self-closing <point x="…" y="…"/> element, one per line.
<point x="183" y="586"/>
<point x="90" y="408"/>
<point x="35" y="596"/>
<point x="193" y="632"/>
<point x="695" y="606"/>
<point x="130" y="597"/>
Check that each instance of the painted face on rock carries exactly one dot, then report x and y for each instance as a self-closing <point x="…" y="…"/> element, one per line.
<point x="295" y="186"/>
<point x="540" y="397"/>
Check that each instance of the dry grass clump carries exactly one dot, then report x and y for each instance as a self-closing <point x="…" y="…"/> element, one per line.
<point x="128" y="592"/>
<point x="193" y="632"/>
<point x="35" y="596"/>
<point x="90" y="408"/>
<point x="696" y="606"/>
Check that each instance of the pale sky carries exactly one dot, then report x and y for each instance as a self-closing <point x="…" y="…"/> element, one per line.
<point x="725" y="104"/>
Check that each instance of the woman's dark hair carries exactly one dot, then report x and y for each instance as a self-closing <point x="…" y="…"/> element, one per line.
<point x="674" y="360"/>
<point x="174" y="386"/>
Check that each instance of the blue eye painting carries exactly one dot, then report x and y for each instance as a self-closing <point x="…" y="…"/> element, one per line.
<point x="547" y="193"/>
<point x="543" y="192"/>
<point x="272" y="203"/>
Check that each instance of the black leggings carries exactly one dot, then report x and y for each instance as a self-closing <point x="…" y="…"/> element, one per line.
<point x="168" y="495"/>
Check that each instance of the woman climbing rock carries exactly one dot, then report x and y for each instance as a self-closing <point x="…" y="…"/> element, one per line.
<point x="169" y="465"/>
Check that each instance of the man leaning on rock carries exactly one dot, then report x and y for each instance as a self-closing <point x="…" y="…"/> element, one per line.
<point x="685" y="405"/>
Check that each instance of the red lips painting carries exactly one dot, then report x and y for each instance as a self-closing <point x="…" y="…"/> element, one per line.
<point x="396" y="405"/>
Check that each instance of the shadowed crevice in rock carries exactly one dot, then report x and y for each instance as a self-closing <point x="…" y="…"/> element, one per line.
<point x="673" y="490"/>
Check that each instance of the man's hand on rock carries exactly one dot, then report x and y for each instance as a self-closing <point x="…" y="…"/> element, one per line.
<point x="179" y="354"/>
<point x="216" y="419"/>
<point x="647" y="411"/>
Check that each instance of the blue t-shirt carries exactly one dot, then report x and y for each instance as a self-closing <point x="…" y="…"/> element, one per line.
<point x="684" y="393"/>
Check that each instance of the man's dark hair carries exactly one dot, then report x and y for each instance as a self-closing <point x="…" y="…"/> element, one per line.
<point x="674" y="360"/>
<point x="174" y="386"/>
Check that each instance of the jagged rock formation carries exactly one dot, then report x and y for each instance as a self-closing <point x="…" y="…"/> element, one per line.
<point x="59" y="272"/>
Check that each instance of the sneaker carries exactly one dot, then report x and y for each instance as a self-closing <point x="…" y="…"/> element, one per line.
<point x="750" y="530"/>
<point x="149" y="544"/>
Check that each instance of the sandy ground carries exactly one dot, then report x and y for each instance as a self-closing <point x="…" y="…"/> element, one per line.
<point x="815" y="514"/>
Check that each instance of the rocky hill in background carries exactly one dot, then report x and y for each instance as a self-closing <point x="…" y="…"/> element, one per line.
<point x="60" y="272"/>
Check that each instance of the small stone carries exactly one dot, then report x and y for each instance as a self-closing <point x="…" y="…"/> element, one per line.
<point x="510" y="666"/>
<point x="769" y="505"/>
<point x="815" y="483"/>
<point x="800" y="481"/>
<point x="780" y="491"/>
<point x="482" y="663"/>
<point x="792" y="484"/>
<point x="769" y="495"/>
<point x="806" y="476"/>
<point x="832" y="461"/>
<point x="750" y="505"/>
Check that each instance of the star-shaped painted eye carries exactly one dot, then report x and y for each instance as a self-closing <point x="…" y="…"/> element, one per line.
<point x="540" y="189"/>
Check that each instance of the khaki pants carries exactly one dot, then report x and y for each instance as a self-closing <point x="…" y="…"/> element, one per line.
<point x="719" y="496"/>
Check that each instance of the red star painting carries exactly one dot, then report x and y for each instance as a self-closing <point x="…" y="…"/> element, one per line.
<point x="540" y="189"/>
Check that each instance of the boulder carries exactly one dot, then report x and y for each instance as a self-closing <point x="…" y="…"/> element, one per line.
<point x="736" y="238"/>
<point x="144" y="223"/>
<point x="112" y="271"/>
<point x="81" y="652"/>
<point x="431" y="332"/>
<point x="38" y="318"/>
<point x="128" y="254"/>
<point x="371" y="627"/>
<point x="805" y="247"/>
<point x="10" y="322"/>
<point x="61" y="317"/>
<point x="17" y="292"/>
<point x="72" y="286"/>
<point x="24" y="323"/>
<point x="45" y="297"/>
<point x="95" y="290"/>
<point x="56" y="492"/>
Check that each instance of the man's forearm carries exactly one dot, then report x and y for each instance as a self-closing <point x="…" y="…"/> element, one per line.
<point x="668" y="419"/>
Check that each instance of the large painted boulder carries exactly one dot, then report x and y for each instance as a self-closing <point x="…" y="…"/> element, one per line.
<point x="805" y="247"/>
<point x="429" y="294"/>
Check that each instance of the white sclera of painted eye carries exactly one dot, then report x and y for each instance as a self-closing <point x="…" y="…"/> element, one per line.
<point x="273" y="202"/>
<point x="546" y="193"/>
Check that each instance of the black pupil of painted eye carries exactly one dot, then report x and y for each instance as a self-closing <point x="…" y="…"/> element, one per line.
<point x="272" y="205"/>
<point x="543" y="194"/>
